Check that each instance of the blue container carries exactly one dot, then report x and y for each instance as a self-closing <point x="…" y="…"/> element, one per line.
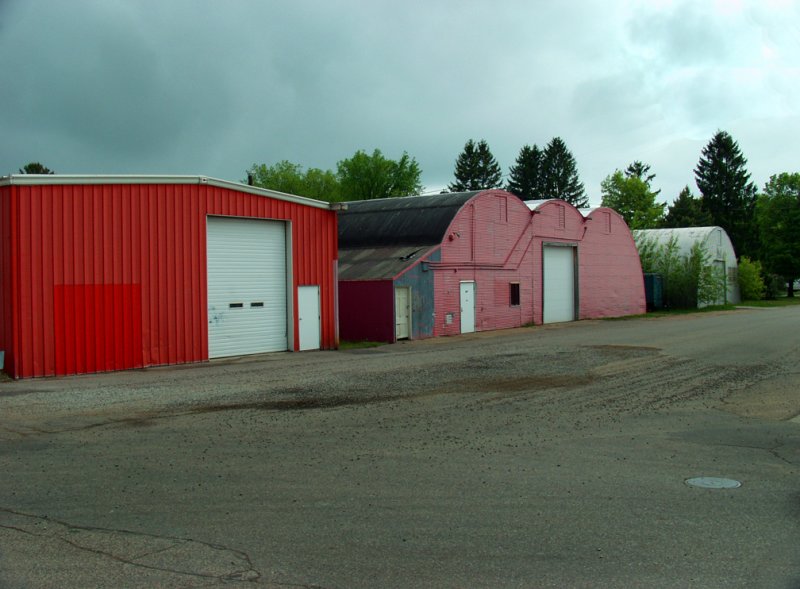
<point x="654" y="291"/>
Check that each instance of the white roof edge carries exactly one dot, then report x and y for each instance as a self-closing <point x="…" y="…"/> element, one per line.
<point x="97" y="179"/>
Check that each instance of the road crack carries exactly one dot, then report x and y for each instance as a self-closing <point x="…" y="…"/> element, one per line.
<point x="180" y="556"/>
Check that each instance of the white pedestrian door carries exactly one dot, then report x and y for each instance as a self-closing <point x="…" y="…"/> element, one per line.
<point x="308" y="317"/>
<point x="467" y="307"/>
<point x="402" y="312"/>
<point x="559" y="284"/>
<point x="246" y="261"/>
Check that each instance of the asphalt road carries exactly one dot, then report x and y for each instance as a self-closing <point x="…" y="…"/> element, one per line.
<point x="538" y="457"/>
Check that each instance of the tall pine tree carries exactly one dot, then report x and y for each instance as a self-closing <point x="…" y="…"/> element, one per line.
<point x="525" y="178"/>
<point x="686" y="211"/>
<point x="476" y="168"/>
<point x="727" y="192"/>
<point x="560" y="174"/>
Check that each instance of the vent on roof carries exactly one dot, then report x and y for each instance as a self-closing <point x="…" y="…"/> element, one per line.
<point x="409" y="256"/>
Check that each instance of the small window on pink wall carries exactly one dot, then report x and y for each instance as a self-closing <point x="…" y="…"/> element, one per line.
<point x="513" y="294"/>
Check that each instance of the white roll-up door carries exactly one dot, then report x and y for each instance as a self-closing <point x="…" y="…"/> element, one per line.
<point x="559" y="284"/>
<point x="247" y="286"/>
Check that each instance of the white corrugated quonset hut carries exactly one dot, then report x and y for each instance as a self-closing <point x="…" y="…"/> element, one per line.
<point x="717" y="243"/>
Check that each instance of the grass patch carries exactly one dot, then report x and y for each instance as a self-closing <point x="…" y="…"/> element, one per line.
<point x="779" y="302"/>
<point x="351" y="345"/>
<point x="673" y="312"/>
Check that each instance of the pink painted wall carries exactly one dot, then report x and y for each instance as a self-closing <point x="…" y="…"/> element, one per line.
<point x="366" y="310"/>
<point x="611" y="277"/>
<point x="553" y="222"/>
<point x="489" y="242"/>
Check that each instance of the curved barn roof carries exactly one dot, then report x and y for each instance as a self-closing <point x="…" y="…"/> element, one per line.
<point x="714" y="238"/>
<point x="411" y="220"/>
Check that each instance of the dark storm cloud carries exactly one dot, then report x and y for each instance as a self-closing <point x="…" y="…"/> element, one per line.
<point x="195" y="86"/>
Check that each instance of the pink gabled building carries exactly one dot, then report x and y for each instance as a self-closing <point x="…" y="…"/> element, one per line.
<point x="428" y="266"/>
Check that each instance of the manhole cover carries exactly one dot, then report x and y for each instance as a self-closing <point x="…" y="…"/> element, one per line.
<point x="713" y="483"/>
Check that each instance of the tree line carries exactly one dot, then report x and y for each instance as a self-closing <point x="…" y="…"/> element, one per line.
<point x="764" y="227"/>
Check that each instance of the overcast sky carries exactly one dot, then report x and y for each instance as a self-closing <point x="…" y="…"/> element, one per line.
<point x="209" y="87"/>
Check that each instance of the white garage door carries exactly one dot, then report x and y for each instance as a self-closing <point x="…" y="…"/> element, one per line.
<point x="559" y="284"/>
<point x="246" y="286"/>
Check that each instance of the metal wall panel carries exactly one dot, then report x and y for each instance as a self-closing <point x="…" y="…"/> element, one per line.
<point x="110" y="276"/>
<point x="6" y="275"/>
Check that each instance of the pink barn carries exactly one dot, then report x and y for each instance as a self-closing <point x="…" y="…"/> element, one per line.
<point x="428" y="266"/>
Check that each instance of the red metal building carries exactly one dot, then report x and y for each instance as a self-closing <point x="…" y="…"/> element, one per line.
<point x="102" y="273"/>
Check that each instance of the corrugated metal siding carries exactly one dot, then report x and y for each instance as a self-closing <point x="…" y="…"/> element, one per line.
<point x="145" y="238"/>
<point x="6" y="274"/>
<point x="611" y="279"/>
<point x="488" y="242"/>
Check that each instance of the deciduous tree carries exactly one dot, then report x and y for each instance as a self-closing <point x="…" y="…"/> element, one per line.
<point x="364" y="176"/>
<point x="632" y="198"/>
<point x="778" y="216"/>
<point x="290" y="178"/>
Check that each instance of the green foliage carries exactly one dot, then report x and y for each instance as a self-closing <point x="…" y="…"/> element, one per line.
<point x="689" y="280"/>
<point x="686" y="211"/>
<point x="641" y="171"/>
<point x="632" y="198"/>
<point x="560" y="174"/>
<point x="727" y="193"/>
<point x="525" y="177"/>
<point x="476" y="168"/>
<point x="360" y="177"/>
<point x="35" y="168"/>
<point x="290" y="178"/>
<point x="366" y="177"/>
<point x="778" y="217"/>
<point x="774" y="286"/>
<point x="751" y="284"/>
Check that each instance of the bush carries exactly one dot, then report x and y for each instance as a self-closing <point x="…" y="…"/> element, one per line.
<point x="751" y="284"/>
<point x="689" y="280"/>
<point x="775" y="286"/>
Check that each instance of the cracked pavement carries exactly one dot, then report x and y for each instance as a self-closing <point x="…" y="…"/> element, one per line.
<point x="537" y="457"/>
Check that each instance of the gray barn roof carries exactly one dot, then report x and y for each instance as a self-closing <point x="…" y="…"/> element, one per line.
<point x="407" y="221"/>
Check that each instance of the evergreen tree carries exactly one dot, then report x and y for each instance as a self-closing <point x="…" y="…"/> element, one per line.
<point x="35" y="168"/>
<point x="476" y="168"/>
<point x="686" y="211"/>
<point x="727" y="193"/>
<point x="560" y="174"/>
<point x="641" y="171"/>
<point x="525" y="178"/>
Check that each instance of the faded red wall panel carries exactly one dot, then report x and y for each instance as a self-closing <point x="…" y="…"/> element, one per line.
<point x="119" y="270"/>
<point x="491" y="246"/>
<point x="366" y="310"/>
<point x="611" y="279"/>
<point x="76" y="315"/>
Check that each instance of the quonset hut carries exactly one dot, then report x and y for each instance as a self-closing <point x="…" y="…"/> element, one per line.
<point x="427" y="266"/>
<point x="717" y="244"/>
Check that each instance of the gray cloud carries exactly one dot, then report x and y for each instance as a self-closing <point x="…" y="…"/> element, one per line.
<point x="140" y="86"/>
